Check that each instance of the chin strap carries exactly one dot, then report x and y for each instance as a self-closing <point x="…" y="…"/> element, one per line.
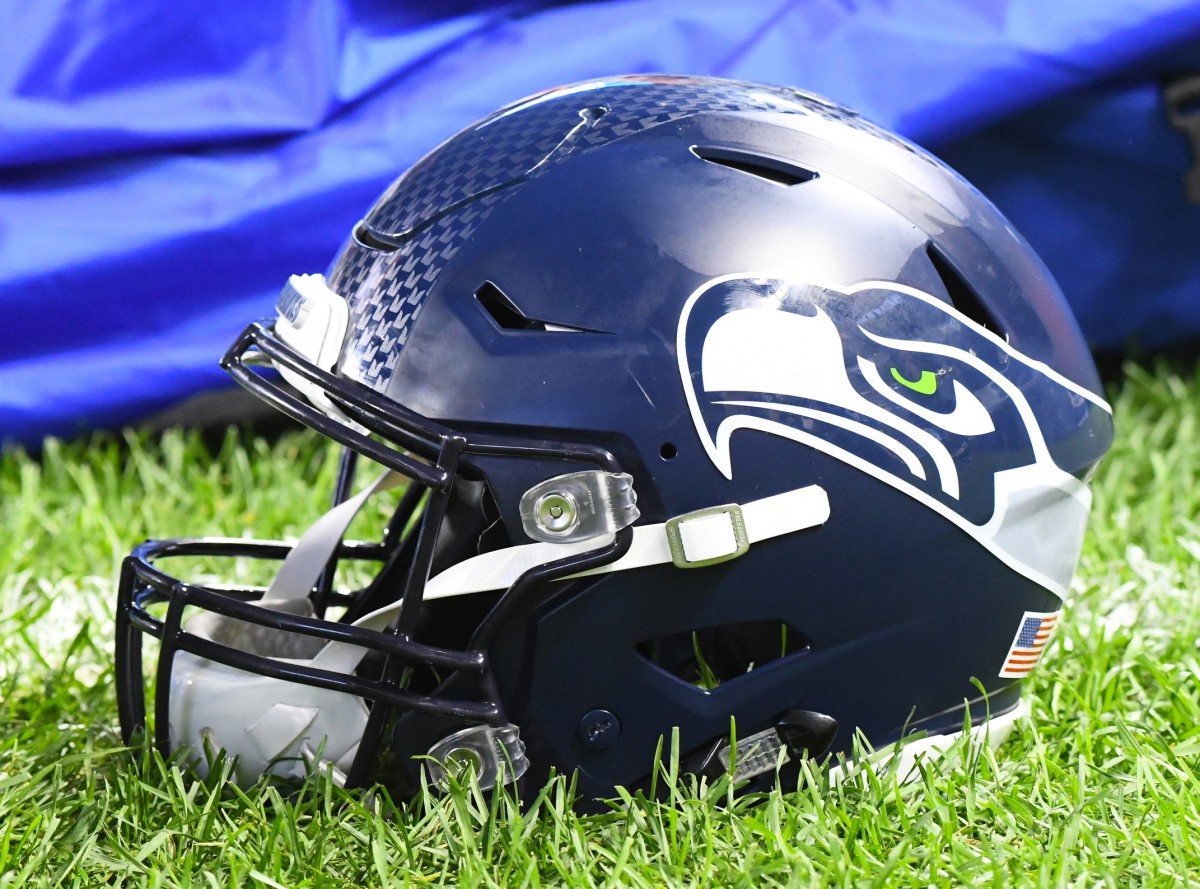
<point x="693" y="540"/>
<point x="303" y="566"/>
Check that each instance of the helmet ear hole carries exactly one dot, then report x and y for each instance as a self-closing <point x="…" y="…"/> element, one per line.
<point x="668" y="451"/>
<point x="962" y="295"/>
<point x="708" y="656"/>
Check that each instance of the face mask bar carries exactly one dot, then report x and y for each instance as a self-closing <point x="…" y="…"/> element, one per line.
<point x="347" y="468"/>
<point x="431" y="460"/>
<point x="142" y="584"/>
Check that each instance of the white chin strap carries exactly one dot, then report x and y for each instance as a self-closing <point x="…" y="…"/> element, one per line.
<point x="284" y="728"/>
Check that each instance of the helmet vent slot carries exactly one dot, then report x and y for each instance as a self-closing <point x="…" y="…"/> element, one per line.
<point x="962" y="295"/>
<point x="769" y="168"/>
<point x="503" y="311"/>
<point x="708" y="657"/>
<point x="506" y="316"/>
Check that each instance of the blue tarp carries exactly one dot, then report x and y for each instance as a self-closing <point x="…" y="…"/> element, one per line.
<point x="165" y="165"/>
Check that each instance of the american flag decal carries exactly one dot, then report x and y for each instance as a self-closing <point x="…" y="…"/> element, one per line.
<point x="1029" y="643"/>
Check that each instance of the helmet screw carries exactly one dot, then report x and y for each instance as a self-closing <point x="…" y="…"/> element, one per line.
<point x="599" y="729"/>
<point x="462" y="760"/>
<point x="556" y="512"/>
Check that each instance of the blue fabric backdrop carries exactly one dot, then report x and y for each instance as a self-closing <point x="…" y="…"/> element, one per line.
<point x="165" y="165"/>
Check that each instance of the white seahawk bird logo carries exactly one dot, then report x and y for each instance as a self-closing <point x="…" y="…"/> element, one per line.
<point x="904" y="387"/>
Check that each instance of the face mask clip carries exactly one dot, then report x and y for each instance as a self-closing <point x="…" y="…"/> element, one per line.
<point x="579" y="506"/>
<point x="494" y="753"/>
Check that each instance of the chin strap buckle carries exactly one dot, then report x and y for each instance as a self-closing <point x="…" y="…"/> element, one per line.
<point x="707" y="536"/>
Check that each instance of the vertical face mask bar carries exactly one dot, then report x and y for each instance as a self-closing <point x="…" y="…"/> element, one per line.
<point x="172" y="628"/>
<point x="131" y="695"/>
<point x="431" y="525"/>
<point x="400" y="549"/>
<point x="418" y="575"/>
<point x="414" y="588"/>
<point x="347" y="466"/>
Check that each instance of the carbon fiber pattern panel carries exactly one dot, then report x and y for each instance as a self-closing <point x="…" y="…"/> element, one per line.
<point x="514" y="140"/>
<point x="482" y="157"/>
<point x="386" y="291"/>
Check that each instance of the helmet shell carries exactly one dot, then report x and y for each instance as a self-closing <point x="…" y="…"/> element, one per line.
<point x="536" y="275"/>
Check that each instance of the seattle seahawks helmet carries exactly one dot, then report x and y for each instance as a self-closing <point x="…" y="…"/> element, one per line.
<point x="712" y="404"/>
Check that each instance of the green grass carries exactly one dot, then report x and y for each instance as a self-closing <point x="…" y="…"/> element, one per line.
<point x="1099" y="788"/>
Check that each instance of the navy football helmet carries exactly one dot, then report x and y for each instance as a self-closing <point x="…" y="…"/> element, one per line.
<point x="712" y="403"/>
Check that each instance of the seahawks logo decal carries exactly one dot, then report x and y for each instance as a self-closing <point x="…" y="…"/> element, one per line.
<point x="899" y="384"/>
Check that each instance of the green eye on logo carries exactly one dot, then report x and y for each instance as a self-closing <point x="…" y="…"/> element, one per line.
<point x="926" y="384"/>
